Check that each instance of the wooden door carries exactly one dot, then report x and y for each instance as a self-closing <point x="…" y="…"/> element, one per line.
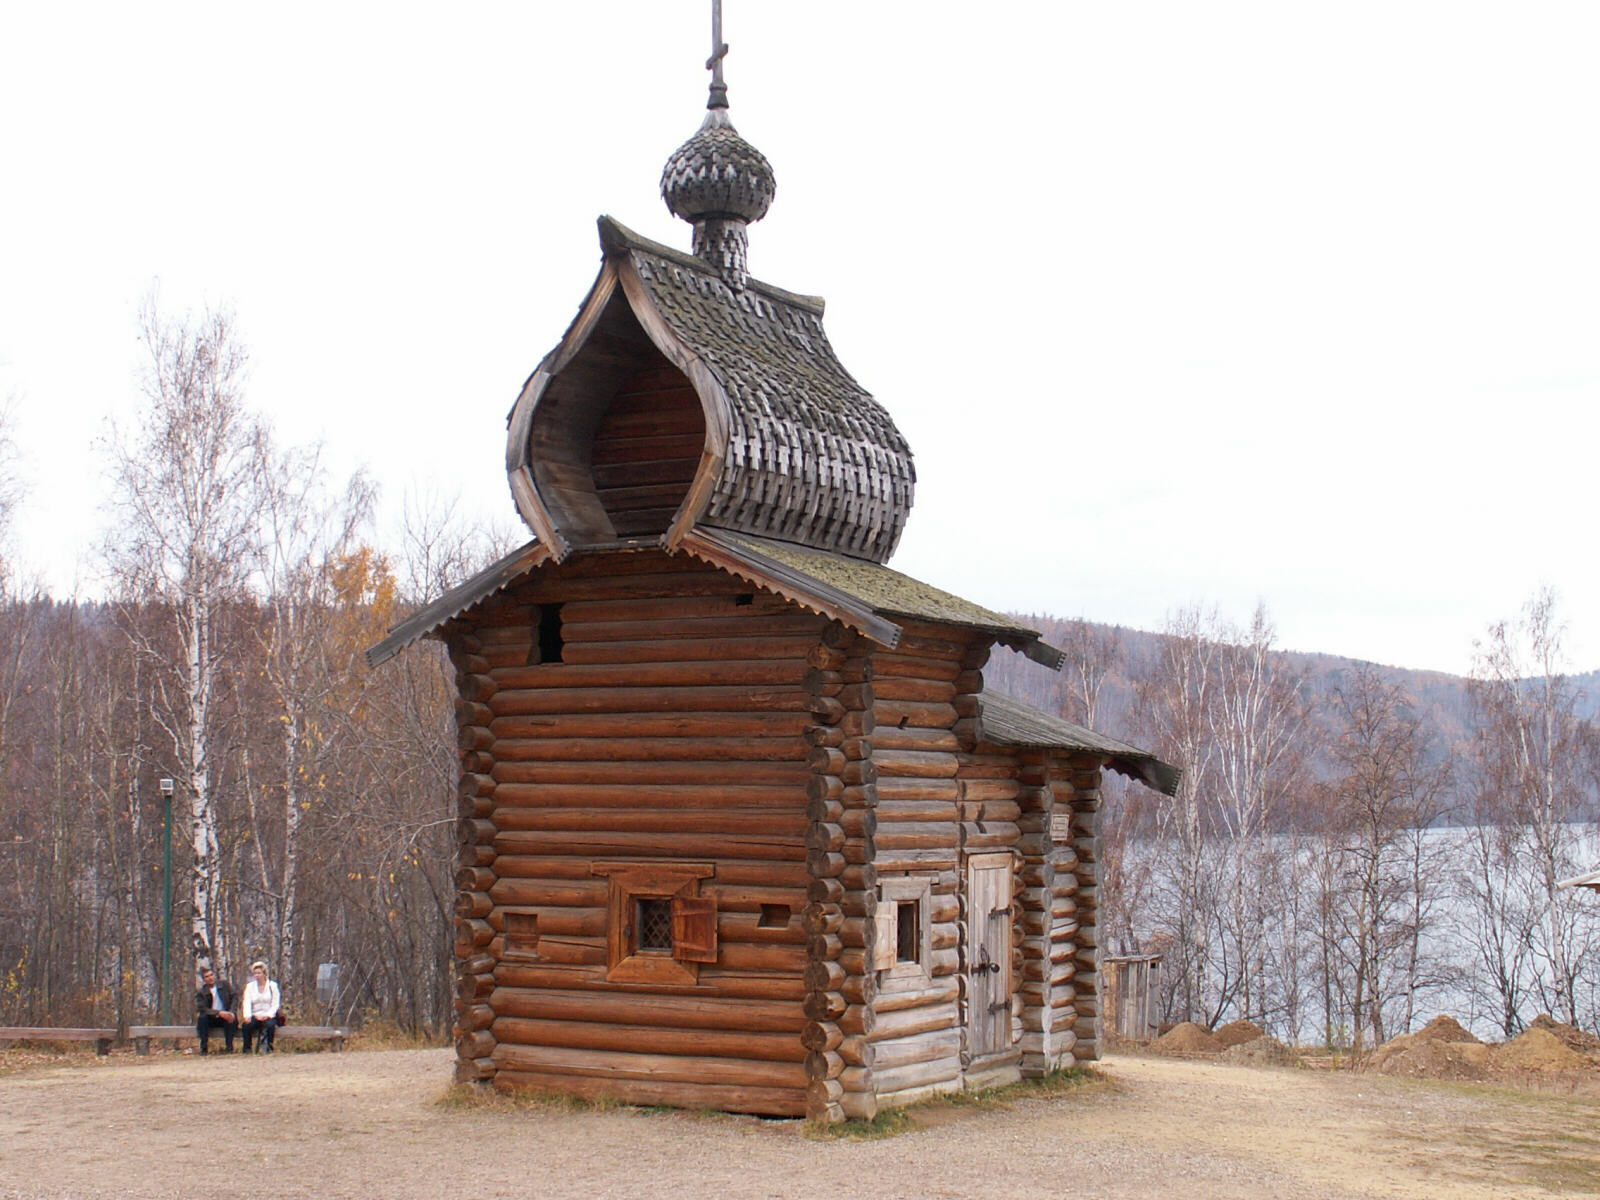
<point x="988" y="954"/>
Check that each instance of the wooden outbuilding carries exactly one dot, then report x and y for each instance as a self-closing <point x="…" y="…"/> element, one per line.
<point x="740" y="825"/>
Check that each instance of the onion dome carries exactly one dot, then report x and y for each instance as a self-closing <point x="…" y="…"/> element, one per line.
<point x="717" y="175"/>
<point x="719" y="182"/>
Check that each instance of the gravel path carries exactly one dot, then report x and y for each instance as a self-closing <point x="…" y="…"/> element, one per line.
<point x="368" y="1125"/>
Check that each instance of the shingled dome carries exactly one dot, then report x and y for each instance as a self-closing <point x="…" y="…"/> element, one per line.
<point x="716" y="173"/>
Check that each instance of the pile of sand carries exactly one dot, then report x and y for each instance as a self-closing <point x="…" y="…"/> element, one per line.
<point x="1445" y="1029"/>
<point x="1413" y="1055"/>
<point x="1569" y="1036"/>
<point x="1187" y="1038"/>
<point x="1236" y="1033"/>
<point x="1259" y="1052"/>
<point x="1538" y="1050"/>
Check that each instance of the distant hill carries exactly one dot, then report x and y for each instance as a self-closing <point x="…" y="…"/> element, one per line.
<point x="1440" y="699"/>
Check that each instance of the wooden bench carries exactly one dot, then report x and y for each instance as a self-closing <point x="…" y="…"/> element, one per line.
<point x="141" y="1035"/>
<point x="102" y="1038"/>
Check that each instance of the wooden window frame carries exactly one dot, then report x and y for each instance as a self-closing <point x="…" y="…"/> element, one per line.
<point x="694" y="921"/>
<point x="895" y="974"/>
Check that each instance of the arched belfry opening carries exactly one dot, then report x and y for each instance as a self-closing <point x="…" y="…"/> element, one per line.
<point x="616" y="436"/>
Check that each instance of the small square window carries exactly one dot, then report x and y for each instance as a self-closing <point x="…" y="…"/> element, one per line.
<point x="774" y="916"/>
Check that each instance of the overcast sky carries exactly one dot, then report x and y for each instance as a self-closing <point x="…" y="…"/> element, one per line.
<point x="1176" y="302"/>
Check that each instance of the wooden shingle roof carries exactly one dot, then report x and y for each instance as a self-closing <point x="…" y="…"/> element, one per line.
<point x="1007" y="721"/>
<point x="811" y="456"/>
<point x="795" y="449"/>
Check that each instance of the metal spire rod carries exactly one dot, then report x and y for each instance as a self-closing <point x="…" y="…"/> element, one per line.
<point x="719" y="51"/>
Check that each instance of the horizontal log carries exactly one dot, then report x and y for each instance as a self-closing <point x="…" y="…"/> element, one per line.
<point x="909" y="1022"/>
<point x="647" y="845"/>
<point x="895" y="665"/>
<point x="899" y="808"/>
<point x="915" y="1048"/>
<point x="923" y="764"/>
<point x="790" y="772"/>
<point x="743" y="673"/>
<point x="892" y="788"/>
<point x="894" y="836"/>
<point x="780" y="825"/>
<point x="688" y="649"/>
<point x="676" y="607"/>
<point x="571" y="950"/>
<point x="677" y="1011"/>
<point x="579" y="870"/>
<point x="628" y="726"/>
<point x="478" y="1043"/>
<point x="519" y="892"/>
<point x="562" y="922"/>
<point x="767" y="1101"/>
<point x="659" y="1068"/>
<point x="940" y="992"/>
<point x="649" y="1039"/>
<point x="714" y="982"/>
<point x="916" y="739"/>
<point x="913" y="1077"/>
<point x="692" y="623"/>
<point x="990" y="835"/>
<point x="561" y="701"/>
<point x="937" y="691"/>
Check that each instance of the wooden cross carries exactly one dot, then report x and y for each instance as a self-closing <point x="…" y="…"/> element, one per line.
<point x="719" y="51"/>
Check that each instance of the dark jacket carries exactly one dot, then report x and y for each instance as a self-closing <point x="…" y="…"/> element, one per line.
<point x="202" y="999"/>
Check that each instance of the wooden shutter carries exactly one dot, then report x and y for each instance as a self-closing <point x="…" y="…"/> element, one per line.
<point x="694" y="929"/>
<point x="886" y="946"/>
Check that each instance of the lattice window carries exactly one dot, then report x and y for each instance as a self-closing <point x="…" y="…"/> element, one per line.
<point x="652" y="926"/>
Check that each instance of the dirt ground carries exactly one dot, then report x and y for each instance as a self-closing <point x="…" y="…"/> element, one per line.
<point x="371" y="1125"/>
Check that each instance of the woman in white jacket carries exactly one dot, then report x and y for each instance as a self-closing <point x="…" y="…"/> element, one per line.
<point x="258" y="1009"/>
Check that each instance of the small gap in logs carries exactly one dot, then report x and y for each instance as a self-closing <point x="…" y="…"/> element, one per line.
<point x="774" y="916"/>
<point x="742" y="601"/>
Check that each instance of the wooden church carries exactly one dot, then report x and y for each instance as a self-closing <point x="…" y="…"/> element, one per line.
<point x="741" y="827"/>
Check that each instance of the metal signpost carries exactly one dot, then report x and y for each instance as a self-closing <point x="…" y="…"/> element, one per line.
<point x="166" y="901"/>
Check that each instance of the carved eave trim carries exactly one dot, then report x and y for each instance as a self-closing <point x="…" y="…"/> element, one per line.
<point x="802" y="589"/>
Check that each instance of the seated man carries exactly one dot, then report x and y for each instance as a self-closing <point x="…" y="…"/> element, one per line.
<point x="214" y="1010"/>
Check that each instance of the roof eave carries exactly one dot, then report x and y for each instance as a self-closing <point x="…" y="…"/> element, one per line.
<point x="457" y="600"/>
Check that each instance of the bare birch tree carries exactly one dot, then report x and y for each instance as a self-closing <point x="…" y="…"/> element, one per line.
<point x="308" y="532"/>
<point x="1388" y="790"/>
<point x="187" y="480"/>
<point x="1533" y="754"/>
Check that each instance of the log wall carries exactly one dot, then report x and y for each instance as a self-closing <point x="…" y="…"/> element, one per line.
<point x="923" y="706"/>
<point x="672" y="730"/>
<point x="1075" y="783"/>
